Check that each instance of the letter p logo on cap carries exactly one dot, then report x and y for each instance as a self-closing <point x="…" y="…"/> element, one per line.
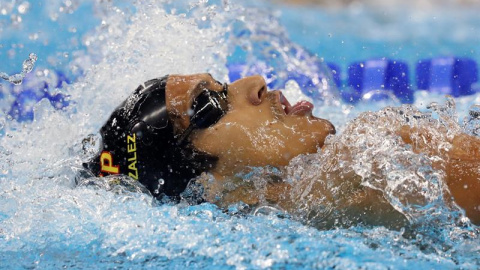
<point x="106" y="163"/>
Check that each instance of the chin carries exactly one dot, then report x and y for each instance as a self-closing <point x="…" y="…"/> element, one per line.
<point x="323" y="131"/>
<point x="324" y="125"/>
<point x="330" y="127"/>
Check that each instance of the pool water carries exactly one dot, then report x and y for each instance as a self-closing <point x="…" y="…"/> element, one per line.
<point x="92" y="54"/>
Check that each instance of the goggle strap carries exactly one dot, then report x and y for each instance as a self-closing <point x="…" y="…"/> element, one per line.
<point x="185" y="134"/>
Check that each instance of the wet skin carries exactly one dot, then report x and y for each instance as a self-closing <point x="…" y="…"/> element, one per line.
<point x="258" y="130"/>
<point x="261" y="128"/>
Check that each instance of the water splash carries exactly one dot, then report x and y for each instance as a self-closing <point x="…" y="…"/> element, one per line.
<point x="371" y="154"/>
<point x="47" y="223"/>
<point x="27" y="67"/>
<point x="57" y="7"/>
<point x="370" y="164"/>
<point x="472" y="121"/>
<point x="264" y="47"/>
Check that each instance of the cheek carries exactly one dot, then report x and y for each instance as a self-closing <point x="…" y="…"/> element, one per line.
<point x="259" y="139"/>
<point x="312" y="129"/>
<point x="234" y="138"/>
<point x="242" y="134"/>
<point x="253" y="144"/>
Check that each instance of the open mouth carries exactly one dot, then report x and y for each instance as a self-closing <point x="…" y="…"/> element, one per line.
<point x="301" y="108"/>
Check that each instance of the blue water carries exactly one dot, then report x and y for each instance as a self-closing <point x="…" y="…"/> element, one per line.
<point x="107" y="49"/>
<point x="400" y="30"/>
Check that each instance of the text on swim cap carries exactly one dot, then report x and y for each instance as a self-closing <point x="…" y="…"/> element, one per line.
<point x="106" y="163"/>
<point x="132" y="160"/>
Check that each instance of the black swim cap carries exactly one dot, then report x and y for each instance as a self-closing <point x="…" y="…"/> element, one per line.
<point x="139" y="141"/>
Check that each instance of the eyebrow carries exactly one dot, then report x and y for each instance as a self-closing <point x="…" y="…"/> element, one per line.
<point x="215" y="79"/>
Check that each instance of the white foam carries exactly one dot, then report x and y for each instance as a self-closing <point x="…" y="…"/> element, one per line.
<point x="43" y="215"/>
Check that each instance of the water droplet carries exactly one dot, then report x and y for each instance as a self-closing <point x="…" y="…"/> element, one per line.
<point x="91" y="145"/>
<point x="29" y="63"/>
<point x="16" y="79"/>
<point x="472" y="121"/>
<point x="33" y="36"/>
<point x="419" y="237"/>
<point x="474" y="111"/>
<point x="23" y="8"/>
<point x="15" y="19"/>
<point x="27" y="67"/>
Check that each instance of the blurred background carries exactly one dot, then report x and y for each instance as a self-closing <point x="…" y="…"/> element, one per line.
<point x="340" y="3"/>
<point x="341" y="31"/>
<point x="346" y="35"/>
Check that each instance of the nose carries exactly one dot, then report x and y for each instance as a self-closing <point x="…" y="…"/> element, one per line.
<point x="252" y="88"/>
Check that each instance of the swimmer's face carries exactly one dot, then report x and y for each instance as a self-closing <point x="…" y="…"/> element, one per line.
<point x="260" y="127"/>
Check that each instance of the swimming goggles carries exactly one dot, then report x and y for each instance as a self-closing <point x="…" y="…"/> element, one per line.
<point x="150" y="114"/>
<point x="207" y="109"/>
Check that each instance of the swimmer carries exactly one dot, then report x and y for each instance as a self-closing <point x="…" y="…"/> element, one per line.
<point x="178" y="131"/>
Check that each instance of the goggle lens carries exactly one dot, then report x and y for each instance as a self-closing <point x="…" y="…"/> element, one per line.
<point x="207" y="109"/>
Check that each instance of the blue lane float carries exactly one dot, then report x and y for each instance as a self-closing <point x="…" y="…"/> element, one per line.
<point x="273" y="78"/>
<point x="378" y="79"/>
<point x="336" y="73"/>
<point x="373" y="80"/>
<point x="447" y="75"/>
<point x="277" y="79"/>
<point x="34" y="89"/>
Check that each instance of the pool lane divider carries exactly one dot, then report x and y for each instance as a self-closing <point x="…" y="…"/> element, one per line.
<point x="379" y="79"/>
<point x="370" y="80"/>
<point x="447" y="75"/>
<point x="35" y="88"/>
